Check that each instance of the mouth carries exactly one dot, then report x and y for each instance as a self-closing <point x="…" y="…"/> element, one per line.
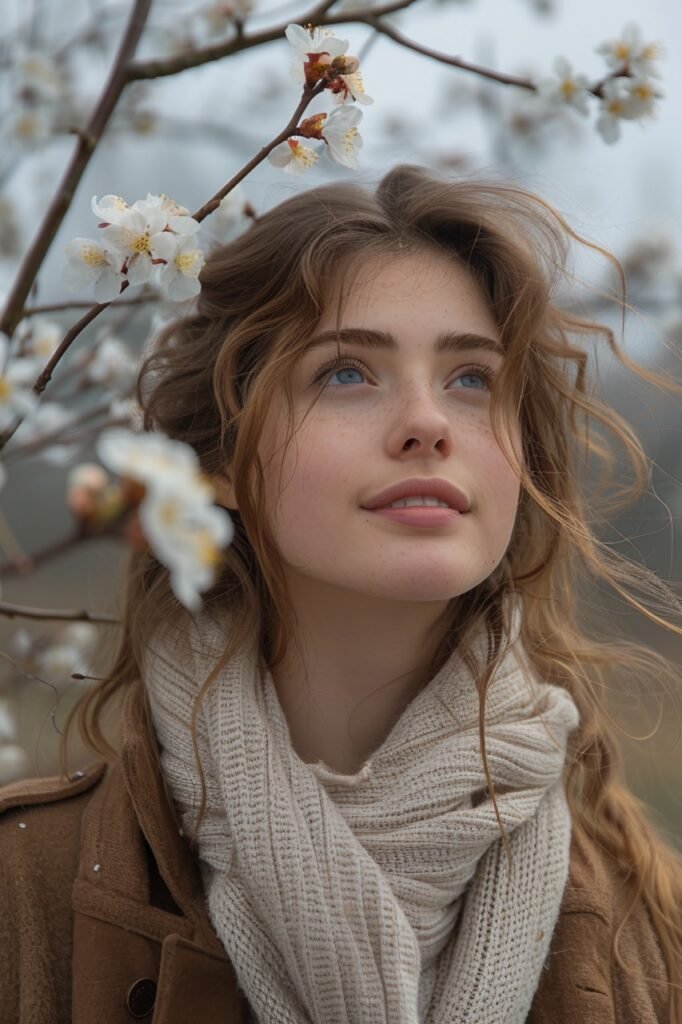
<point x="420" y="516"/>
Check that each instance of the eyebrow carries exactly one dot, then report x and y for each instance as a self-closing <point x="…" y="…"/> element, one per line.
<point x="449" y="341"/>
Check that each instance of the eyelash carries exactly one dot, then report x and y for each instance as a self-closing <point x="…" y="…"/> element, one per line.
<point x="342" y="362"/>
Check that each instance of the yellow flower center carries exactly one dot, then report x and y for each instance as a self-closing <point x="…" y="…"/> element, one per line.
<point x="567" y="87"/>
<point x="185" y="261"/>
<point x="93" y="256"/>
<point x="141" y="243"/>
<point x="26" y="126"/>
<point x="349" y="139"/>
<point x="5" y="389"/>
<point x="622" y="51"/>
<point x="168" y="514"/>
<point x="207" y="551"/>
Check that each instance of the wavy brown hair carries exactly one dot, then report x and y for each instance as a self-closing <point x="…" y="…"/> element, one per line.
<point x="209" y="378"/>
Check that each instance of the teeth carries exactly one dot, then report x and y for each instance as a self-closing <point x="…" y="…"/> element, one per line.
<point x="410" y="502"/>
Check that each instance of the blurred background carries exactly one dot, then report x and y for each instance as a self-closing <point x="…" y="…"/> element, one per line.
<point x="187" y="134"/>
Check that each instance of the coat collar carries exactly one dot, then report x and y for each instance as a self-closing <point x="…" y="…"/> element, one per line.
<point x="153" y="806"/>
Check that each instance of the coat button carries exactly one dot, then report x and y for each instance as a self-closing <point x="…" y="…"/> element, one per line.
<point x="141" y="997"/>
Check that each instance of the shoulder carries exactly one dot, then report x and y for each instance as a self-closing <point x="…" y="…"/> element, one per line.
<point x="581" y="974"/>
<point x="40" y="837"/>
<point x="40" y="818"/>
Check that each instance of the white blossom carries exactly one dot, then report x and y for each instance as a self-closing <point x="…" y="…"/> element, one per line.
<point x="354" y="89"/>
<point x="229" y="219"/>
<point x="179" y="278"/>
<point x="642" y="96"/>
<point x="39" y="337"/>
<point x="110" y="209"/>
<point x="40" y="74"/>
<point x="88" y="261"/>
<point x="42" y="423"/>
<point x="178" y="218"/>
<point x="306" y="41"/>
<point x="293" y="156"/>
<point x="342" y="136"/>
<point x="112" y="364"/>
<point x="187" y="537"/>
<point x="148" y="458"/>
<point x="82" y="635"/>
<point x="630" y="51"/>
<point x="139" y="237"/>
<point x="56" y="663"/>
<point x="567" y="88"/>
<point x="30" y="126"/>
<point x="614" y="108"/>
<point x="317" y="40"/>
<point x="221" y="14"/>
<point x="16" y="398"/>
<point x="128" y="409"/>
<point x="177" y="515"/>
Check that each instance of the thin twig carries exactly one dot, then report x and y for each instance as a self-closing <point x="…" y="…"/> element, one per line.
<point x="87" y="141"/>
<point x="309" y="94"/>
<point x="456" y="62"/>
<point x="318" y="16"/>
<point x="23" y="564"/>
<point x="56" y="307"/>
<point x="25" y="612"/>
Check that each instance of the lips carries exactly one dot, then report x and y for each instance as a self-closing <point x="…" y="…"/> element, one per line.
<point x="431" y="487"/>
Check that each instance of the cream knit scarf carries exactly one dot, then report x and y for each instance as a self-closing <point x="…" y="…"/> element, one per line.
<point x="382" y="897"/>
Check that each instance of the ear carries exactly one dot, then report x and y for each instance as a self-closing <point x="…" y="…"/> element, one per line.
<point x="224" y="490"/>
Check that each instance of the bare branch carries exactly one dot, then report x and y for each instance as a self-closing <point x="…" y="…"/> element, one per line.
<point x="57" y="307"/>
<point x="25" y="612"/>
<point x="87" y="142"/>
<point x="22" y="564"/>
<point x="286" y="133"/>
<point x="318" y="16"/>
<point x="387" y="30"/>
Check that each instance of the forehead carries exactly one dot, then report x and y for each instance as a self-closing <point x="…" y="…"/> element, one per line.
<point x="423" y="291"/>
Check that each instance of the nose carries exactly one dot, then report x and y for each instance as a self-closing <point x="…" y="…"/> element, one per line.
<point x="421" y="425"/>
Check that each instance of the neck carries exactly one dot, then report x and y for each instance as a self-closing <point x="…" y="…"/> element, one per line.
<point x="357" y="664"/>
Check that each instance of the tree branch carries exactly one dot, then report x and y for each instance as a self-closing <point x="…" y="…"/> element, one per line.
<point x="308" y="94"/>
<point x="23" y="564"/>
<point x="87" y="142"/>
<point x="387" y="30"/>
<point x="286" y="133"/>
<point x="56" y="307"/>
<point x="140" y="70"/>
<point x="25" y="612"/>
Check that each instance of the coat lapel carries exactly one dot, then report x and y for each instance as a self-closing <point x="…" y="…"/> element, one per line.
<point x="142" y="937"/>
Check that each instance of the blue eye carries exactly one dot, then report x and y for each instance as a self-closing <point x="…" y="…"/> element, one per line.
<point x="329" y="370"/>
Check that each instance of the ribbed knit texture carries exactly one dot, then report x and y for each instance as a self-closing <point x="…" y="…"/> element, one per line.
<point x="382" y="897"/>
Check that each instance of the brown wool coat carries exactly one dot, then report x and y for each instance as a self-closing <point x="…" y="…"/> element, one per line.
<point x="103" y="918"/>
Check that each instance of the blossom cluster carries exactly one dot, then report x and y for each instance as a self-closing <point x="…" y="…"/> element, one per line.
<point x="321" y="58"/>
<point x="172" y="502"/>
<point x="152" y="240"/>
<point x="41" y="100"/>
<point x="627" y="94"/>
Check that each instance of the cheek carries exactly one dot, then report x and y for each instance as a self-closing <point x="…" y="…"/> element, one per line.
<point x="317" y="479"/>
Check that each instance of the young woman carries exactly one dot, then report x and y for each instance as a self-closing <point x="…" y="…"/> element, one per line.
<point x="372" y="780"/>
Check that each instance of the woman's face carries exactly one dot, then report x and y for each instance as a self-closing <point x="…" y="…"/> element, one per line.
<point x="412" y="412"/>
